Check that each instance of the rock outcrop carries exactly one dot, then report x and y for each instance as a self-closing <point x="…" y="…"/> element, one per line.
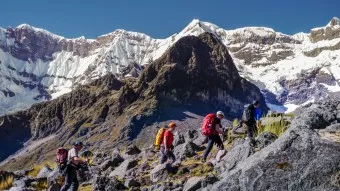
<point x="300" y="159"/>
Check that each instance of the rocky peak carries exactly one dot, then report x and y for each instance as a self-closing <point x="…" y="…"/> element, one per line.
<point x="334" y="22"/>
<point x="329" y="32"/>
<point x="198" y="68"/>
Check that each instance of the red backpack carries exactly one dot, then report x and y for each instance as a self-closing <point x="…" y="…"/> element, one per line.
<point x="208" y="128"/>
<point x="61" y="159"/>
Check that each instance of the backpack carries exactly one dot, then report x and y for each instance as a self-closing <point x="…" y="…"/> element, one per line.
<point x="208" y="128"/>
<point x="61" y="158"/>
<point x="159" y="138"/>
<point x="246" y="114"/>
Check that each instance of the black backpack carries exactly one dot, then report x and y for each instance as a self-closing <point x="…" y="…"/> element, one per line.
<point x="246" y="116"/>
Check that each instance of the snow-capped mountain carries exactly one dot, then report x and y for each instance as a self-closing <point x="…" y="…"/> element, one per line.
<point x="36" y="65"/>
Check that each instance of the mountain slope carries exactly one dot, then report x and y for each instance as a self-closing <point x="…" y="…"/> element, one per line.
<point x="108" y="113"/>
<point x="37" y="65"/>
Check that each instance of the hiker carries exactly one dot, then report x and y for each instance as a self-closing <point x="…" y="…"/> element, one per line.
<point x="249" y="121"/>
<point x="212" y="128"/>
<point x="71" y="180"/>
<point x="167" y="145"/>
<point x="258" y="114"/>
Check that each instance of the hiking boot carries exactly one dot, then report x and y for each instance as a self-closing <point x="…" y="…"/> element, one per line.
<point x="203" y="160"/>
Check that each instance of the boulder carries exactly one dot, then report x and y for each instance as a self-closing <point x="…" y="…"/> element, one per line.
<point x="264" y="139"/>
<point x="193" y="183"/>
<point x="179" y="139"/>
<point x="44" y="172"/>
<point x="200" y="140"/>
<point x="130" y="182"/>
<point x="132" y="150"/>
<point x="117" y="159"/>
<point x="122" y="169"/>
<point x="190" y="135"/>
<point x="53" y="176"/>
<point x="20" y="189"/>
<point x="106" y="183"/>
<point x="161" y="172"/>
<point x="237" y="154"/>
<point x="186" y="150"/>
<point x="300" y="159"/>
<point x="19" y="183"/>
<point x="106" y="164"/>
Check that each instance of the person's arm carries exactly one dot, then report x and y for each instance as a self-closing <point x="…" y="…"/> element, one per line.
<point x="165" y="143"/>
<point x="218" y="128"/>
<point x="77" y="160"/>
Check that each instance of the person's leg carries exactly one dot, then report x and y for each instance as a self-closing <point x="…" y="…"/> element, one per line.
<point x="209" y="147"/>
<point x="68" y="180"/>
<point x="164" y="157"/>
<point x="218" y="141"/>
<point x="75" y="182"/>
<point x="171" y="156"/>
<point x="250" y="132"/>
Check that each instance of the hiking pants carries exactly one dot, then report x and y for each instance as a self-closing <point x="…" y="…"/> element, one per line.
<point x="168" y="155"/>
<point x="71" y="180"/>
<point x="251" y="132"/>
<point x="213" y="139"/>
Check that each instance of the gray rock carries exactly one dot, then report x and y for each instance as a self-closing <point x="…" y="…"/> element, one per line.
<point x="334" y="127"/>
<point x="19" y="183"/>
<point x="132" y="150"/>
<point x="186" y="150"/>
<point x="264" y="139"/>
<point x="122" y="169"/>
<point x="117" y="159"/>
<point x="20" y="189"/>
<point x="44" y="172"/>
<point x="298" y="160"/>
<point x="106" y="164"/>
<point x="53" y="176"/>
<point x="237" y="154"/>
<point x="194" y="183"/>
<point x="179" y="139"/>
<point x="200" y="140"/>
<point x="130" y="182"/>
<point x="161" y="172"/>
<point x="105" y="183"/>
<point x="190" y="135"/>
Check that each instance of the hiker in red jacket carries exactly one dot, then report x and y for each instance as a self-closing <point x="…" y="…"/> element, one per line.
<point x="167" y="145"/>
<point x="215" y="129"/>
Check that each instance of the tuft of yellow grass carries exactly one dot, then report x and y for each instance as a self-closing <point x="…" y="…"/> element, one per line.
<point x="6" y="182"/>
<point x="85" y="188"/>
<point x="276" y="127"/>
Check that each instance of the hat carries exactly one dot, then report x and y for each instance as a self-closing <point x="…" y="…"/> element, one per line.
<point x="172" y="124"/>
<point x="220" y="113"/>
<point x="256" y="102"/>
<point x="78" y="143"/>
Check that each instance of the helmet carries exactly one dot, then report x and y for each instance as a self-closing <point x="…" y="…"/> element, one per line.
<point x="172" y="124"/>
<point x="220" y="113"/>
<point x="78" y="143"/>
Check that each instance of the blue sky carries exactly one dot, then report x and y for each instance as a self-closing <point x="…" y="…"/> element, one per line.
<point x="160" y="19"/>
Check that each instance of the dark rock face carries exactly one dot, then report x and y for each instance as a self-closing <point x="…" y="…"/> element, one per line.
<point x="300" y="159"/>
<point x="309" y="85"/>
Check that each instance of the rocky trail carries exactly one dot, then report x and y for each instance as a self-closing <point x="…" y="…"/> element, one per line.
<point x="302" y="158"/>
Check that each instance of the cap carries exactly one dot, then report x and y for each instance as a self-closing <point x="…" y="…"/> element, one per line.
<point x="172" y="124"/>
<point x="220" y="113"/>
<point x="256" y="102"/>
<point x="78" y="143"/>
